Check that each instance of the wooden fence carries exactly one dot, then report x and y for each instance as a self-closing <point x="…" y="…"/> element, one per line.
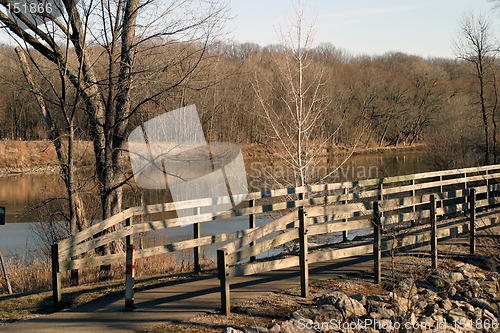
<point x="392" y="202"/>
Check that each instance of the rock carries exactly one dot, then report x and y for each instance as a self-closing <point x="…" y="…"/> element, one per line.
<point x="445" y="305"/>
<point x="297" y="326"/>
<point x="488" y="315"/>
<point x="408" y="324"/>
<point x="407" y="288"/>
<point x="305" y="313"/>
<point x="371" y="330"/>
<point x="386" y="298"/>
<point x="348" y="306"/>
<point x="420" y="307"/>
<point x="472" y="284"/>
<point x="374" y="305"/>
<point x="483" y="304"/>
<point x="442" y="279"/>
<point x="428" y="290"/>
<point x="328" y="312"/>
<point x="404" y="304"/>
<point x="360" y="298"/>
<point x="274" y="328"/>
<point x="387" y="325"/>
<point x="438" y="320"/>
<point x="490" y="292"/>
<point x="456" y="316"/>
<point x="431" y="309"/>
<point x="478" y="313"/>
<point x="467" y="307"/>
<point x="231" y="330"/>
<point x="386" y="313"/>
<point x="470" y="272"/>
<point x="262" y="329"/>
<point x="456" y="277"/>
<point x="467" y="295"/>
<point x="428" y="321"/>
<point x="439" y="282"/>
<point x="248" y="329"/>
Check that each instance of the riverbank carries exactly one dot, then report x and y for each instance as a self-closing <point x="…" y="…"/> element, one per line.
<point x="36" y="157"/>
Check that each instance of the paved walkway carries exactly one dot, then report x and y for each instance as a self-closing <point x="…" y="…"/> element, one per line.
<point x="179" y="302"/>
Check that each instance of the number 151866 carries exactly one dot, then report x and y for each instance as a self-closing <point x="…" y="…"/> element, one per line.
<point x="32" y="8"/>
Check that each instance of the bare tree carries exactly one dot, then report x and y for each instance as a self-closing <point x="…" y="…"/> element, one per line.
<point x="291" y="99"/>
<point x="102" y="48"/>
<point x="477" y="46"/>
<point x="63" y="144"/>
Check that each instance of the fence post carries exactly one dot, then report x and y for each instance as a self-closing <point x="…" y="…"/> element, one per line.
<point x="488" y="189"/>
<point x="301" y="198"/>
<point x="377" y="272"/>
<point x="251" y="224"/>
<point x="129" y="278"/>
<point x="414" y="221"/>
<point x="304" y="267"/>
<point x="434" y="243"/>
<point x="130" y="238"/>
<point x="56" y="276"/>
<point x="472" y="223"/>
<point x="344" y="202"/>
<point x="380" y="195"/>
<point x="197" y="249"/>
<point x="6" y="276"/>
<point x="466" y="186"/>
<point x="222" y="266"/>
<point x="73" y="280"/>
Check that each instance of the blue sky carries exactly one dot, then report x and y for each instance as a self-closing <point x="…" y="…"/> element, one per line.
<point x="421" y="27"/>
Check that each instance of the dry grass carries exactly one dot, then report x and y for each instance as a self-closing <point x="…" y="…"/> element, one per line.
<point x="27" y="275"/>
<point x="31" y="281"/>
<point x="27" y="305"/>
<point x="17" y="156"/>
<point x="35" y="274"/>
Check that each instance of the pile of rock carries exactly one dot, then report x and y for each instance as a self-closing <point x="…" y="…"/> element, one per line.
<point x="447" y="301"/>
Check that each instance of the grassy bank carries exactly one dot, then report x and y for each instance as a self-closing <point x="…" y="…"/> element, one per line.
<point x="22" y="306"/>
<point x="39" y="156"/>
<point x="32" y="283"/>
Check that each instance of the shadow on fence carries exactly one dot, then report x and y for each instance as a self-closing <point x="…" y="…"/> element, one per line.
<point x="383" y="205"/>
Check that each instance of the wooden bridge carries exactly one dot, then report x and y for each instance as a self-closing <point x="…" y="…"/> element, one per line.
<point x="411" y="209"/>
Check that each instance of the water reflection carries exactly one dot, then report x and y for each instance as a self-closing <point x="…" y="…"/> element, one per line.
<point x="17" y="193"/>
<point x="266" y="174"/>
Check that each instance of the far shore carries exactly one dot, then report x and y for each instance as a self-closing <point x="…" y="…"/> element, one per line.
<point x="36" y="157"/>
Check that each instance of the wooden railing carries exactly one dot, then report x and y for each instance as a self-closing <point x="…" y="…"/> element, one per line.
<point x="308" y="210"/>
<point x="410" y="219"/>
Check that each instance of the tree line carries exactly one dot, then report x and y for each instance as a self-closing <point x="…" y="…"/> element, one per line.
<point x="394" y="99"/>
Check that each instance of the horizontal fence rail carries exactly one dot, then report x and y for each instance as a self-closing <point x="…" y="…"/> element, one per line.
<point x="307" y="210"/>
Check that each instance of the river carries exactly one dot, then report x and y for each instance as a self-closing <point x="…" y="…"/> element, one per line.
<point x="20" y="193"/>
